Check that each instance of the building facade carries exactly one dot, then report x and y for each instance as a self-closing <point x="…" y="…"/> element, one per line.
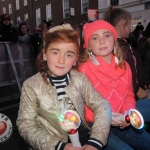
<point x="35" y="11"/>
<point x="139" y="9"/>
<point x="72" y="11"/>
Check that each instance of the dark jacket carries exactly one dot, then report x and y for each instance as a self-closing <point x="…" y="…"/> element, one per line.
<point x="129" y="55"/>
<point x="143" y="48"/>
<point x="8" y="33"/>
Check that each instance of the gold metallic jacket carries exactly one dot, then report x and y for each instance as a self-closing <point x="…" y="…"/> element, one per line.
<point x="39" y="110"/>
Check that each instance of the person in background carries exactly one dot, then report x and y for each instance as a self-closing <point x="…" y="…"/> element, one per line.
<point x="50" y="24"/>
<point x="63" y="22"/>
<point x="111" y="76"/>
<point x="135" y="35"/>
<point x="56" y="88"/>
<point x="43" y="27"/>
<point x="143" y="48"/>
<point x="121" y="20"/>
<point x="23" y="35"/>
<point x="7" y="31"/>
<point x="36" y="40"/>
<point x="18" y="22"/>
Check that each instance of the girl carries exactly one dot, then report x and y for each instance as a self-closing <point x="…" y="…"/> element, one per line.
<point x="111" y="76"/>
<point x="56" y="88"/>
<point x="121" y="20"/>
<point x="23" y="33"/>
<point x="43" y="27"/>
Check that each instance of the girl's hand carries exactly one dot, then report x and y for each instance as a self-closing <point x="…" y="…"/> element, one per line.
<point x="119" y="120"/>
<point x="89" y="147"/>
<point x="142" y="93"/>
<point x="69" y="146"/>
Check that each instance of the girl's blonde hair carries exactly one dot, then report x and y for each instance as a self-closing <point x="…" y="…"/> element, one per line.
<point x="114" y="15"/>
<point x="62" y="35"/>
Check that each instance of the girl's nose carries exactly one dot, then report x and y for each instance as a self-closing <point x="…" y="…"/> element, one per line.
<point x="102" y="41"/>
<point x="61" y="59"/>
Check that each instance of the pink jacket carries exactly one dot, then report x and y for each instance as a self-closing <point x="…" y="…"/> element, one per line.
<point x="114" y="84"/>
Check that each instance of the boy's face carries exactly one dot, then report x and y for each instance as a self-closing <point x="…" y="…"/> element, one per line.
<point x="61" y="56"/>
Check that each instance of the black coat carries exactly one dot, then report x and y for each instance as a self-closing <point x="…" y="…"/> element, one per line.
<point x="143" y="48"/>
<point x="8" y="33"/>
<point x="129" y="54"/>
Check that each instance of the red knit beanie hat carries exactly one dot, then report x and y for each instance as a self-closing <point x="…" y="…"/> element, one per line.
<point x="89" y="28"/>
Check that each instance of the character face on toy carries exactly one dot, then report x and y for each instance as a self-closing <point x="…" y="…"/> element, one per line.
<point x="70" y="121"/>
<point x="136" y="119"/>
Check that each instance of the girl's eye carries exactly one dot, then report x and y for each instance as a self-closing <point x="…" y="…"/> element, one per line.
<point x="108" y="35"/>
<point x="94" y="38"/>
<point x="68" y="55"/>
<point x="54" y="53"/>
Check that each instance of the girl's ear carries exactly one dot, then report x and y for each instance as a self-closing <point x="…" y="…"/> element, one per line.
<point x="44" y="55"/>
<point x="75" y="61"/>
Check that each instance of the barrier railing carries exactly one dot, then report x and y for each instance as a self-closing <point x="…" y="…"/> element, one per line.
<point x="17" y="63"/>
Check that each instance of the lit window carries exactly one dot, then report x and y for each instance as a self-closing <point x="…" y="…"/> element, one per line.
<point x="38" y="16"/>
<point x="10" y="8"/>
<point x="114" y="2"/>
<point x="85" y="5"/>
<point x="48" y="12"/>
<point x="17" y="5"/>
<point x="66" y="9"/>
<point x="100" y="4"/>
<point x="26" y="16"/>
<point x="25" y="3"/>
<point x="4" y="10"/>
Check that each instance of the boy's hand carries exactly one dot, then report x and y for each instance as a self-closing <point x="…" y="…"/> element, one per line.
<point x="69" y="146"/>
<point x="89" y="147"/>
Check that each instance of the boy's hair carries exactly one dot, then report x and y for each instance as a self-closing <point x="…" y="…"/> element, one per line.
<point x="60" y="35"/>
<point x="114" y="15"/>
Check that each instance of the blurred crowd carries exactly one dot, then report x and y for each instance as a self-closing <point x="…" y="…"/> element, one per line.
<point x="22" y="33"/>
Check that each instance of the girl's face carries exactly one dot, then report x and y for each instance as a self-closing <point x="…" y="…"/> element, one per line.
<point x="44" y="28"/>
<point x="126" y="29"/>
<point x="101" y="43"/>
<point x="24" y="29"/>
<point x="61" y="56"/>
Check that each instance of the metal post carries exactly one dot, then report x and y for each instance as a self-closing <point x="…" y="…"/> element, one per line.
<point x="13" y="66"/>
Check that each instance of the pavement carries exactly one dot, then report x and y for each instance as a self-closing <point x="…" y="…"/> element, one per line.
<point x="15" y="142"/>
